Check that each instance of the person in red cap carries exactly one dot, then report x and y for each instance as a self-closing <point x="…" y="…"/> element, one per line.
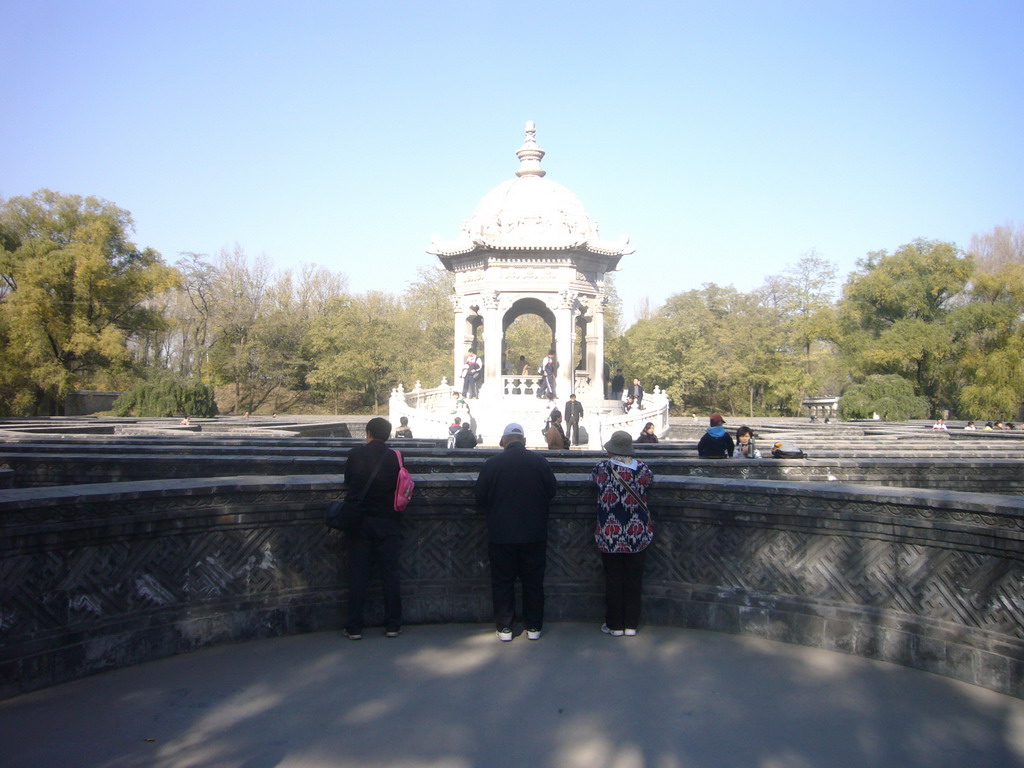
<point x="716" y="442"/>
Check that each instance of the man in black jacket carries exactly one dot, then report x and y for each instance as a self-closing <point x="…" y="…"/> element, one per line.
<point x="618" y="384"/>
<point x="573" y="414"/>
<point x="379" y="537"/>
<point x="515" y="488"/>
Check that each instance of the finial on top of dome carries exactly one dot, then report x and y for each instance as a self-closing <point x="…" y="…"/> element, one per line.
<point x="530" y="154"/>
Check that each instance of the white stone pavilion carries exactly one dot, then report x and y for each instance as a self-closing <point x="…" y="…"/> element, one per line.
<point x="529" y="248"/>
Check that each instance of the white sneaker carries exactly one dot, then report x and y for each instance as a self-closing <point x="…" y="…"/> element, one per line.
<point x="613" y="632"/>
<point x="630" y="632"/>
<point x="533" y="634"/>
<point x="504" y="634"/>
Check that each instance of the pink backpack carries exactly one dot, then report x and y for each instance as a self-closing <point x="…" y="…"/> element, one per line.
<point x="405" y="486"/>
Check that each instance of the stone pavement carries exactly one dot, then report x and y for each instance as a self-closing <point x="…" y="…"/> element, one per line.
<point x="452" y="696"/>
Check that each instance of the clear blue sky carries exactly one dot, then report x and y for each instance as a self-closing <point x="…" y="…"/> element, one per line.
<point x="727" y="139"/>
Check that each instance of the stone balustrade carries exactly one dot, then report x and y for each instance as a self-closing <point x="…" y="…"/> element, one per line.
<point x="101" y="576"/>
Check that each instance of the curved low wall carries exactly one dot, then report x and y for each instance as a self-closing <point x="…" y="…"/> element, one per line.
<point x="36" y="466"/>
<point x="101" y="576"/>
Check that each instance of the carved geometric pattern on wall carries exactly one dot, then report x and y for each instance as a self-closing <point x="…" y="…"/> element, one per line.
<point x="964" y="588"/>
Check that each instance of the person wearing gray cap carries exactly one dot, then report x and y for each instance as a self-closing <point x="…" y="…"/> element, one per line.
<point x="515" y="488"/>
<point x="623" y="532"/>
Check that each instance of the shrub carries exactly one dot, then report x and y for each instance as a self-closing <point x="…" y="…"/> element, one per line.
<point x="167" y="396"/>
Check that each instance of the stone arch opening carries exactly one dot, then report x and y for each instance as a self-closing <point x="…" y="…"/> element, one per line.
<point x="528" y="330"/>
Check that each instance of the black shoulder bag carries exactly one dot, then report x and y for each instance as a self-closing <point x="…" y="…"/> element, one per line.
<point x="347" y="515"/>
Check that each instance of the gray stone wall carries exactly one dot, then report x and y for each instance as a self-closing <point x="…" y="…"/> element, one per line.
<point x="101" y="576"/>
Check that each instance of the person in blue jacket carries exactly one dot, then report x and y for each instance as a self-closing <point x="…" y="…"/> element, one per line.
<point x="716" y="442"/>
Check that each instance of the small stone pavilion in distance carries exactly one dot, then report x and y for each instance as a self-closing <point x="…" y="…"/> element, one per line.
<point x="529" y="248"/>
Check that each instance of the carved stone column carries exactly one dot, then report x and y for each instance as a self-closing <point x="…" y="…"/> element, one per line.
<point x="492" y="341"/>
<point x="459" y="347"/>
<point x="565" y="332"/>
<point x="599" y="383"/>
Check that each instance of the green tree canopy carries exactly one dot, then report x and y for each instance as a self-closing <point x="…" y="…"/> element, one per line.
<point x="75" y="290"/>
<point x="890" y="396"/>
<point x="896" y="311"/>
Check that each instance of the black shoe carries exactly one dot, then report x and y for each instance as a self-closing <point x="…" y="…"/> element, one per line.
<point x="352" y="635"/>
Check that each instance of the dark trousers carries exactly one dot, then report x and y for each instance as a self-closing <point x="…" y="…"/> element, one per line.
<point x="623" y="583"/>
<point x="527" y="562"/>
<point x="378" y="540"/>
<point x="572" y="431"/>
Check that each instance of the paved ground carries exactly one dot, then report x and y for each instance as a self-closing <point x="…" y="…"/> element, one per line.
<point x="452" y="696"/>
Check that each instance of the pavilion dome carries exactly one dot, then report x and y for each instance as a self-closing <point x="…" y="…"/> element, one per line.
<point x="528" y="212"/>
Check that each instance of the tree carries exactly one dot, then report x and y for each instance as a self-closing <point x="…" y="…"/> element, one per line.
<point x="361" y="344"/>
<point x="895" y="311"/>
<point x="1003" y="245"/>
<point x="891" y="397"/>
<point x="988" y="333"/>
<point x="804" y="297"/>
<point x="428" y="308"/>
<point x="75" y="290"/>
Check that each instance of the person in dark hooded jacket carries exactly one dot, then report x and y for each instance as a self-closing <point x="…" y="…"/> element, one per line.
<point x="716" y="442"/>
<point x="465" y="438"/>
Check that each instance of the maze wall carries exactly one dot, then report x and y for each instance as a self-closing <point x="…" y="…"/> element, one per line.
<point x="102" y="576"/>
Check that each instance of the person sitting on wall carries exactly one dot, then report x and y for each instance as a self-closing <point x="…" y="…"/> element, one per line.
<point x="715" y="443"/>
<point x="403" y="430"/>
<point x="745" y="448"/>
<point x="465" y="438"/>
<point x="555" y="435"/>
<point x="647" y="435"/>
<point x="453" y="429"/>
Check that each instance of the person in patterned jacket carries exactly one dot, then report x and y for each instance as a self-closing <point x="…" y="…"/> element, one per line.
<point x="623" y="532"/>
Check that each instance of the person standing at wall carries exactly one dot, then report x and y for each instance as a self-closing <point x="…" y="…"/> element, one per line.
<point x="618" y="384"/>
<point x="636" y="391"/>
<point x="378" y="539"/>
<point x="548" y="371"/>
<point x="573" y="414"/>
<point x="471" y="376"/>
<point x="515" y="488"/>
<point x="623" y="532"/>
